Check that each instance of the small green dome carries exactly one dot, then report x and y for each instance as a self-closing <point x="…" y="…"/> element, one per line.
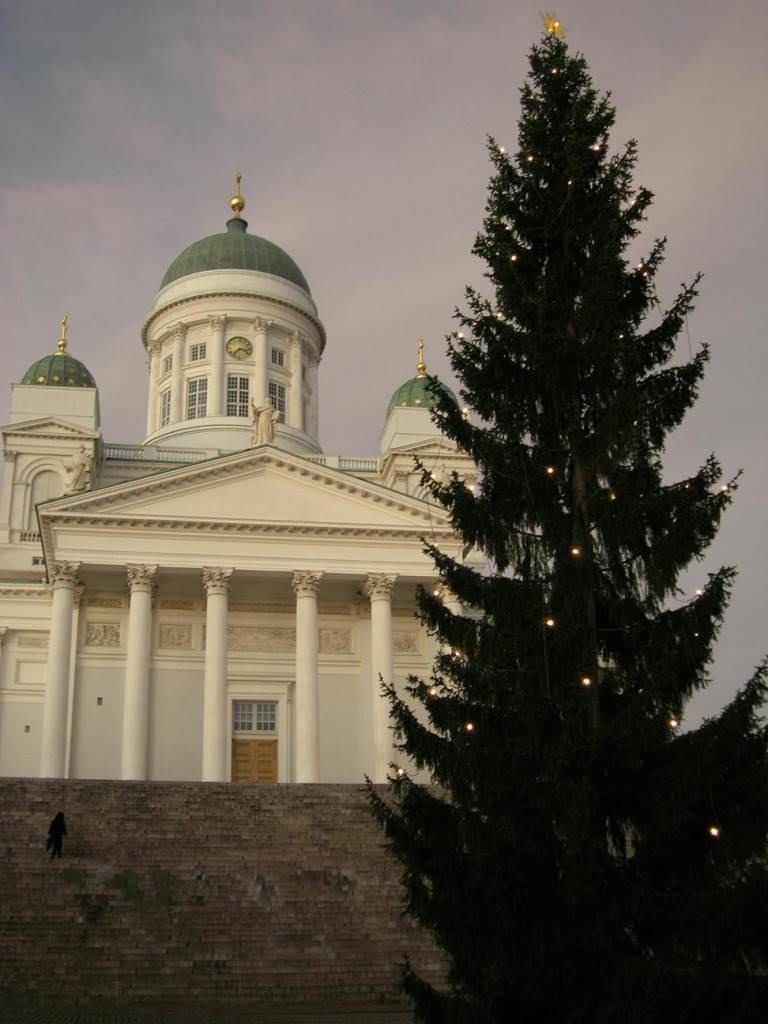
<point x="416" y="394"/>
<point x="235" y="249"/>
<point x="59" y="370"/>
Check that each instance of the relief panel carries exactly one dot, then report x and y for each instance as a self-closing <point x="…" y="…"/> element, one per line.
<point x="102" y="634"/>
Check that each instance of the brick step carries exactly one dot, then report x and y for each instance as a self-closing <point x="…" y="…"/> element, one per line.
<point x="191" y="895"/>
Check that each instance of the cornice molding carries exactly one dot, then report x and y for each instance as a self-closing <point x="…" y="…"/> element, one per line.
<point x="234" y="295"/>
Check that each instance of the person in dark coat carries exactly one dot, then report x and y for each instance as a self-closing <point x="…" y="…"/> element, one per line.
<point x="56" y="833"/>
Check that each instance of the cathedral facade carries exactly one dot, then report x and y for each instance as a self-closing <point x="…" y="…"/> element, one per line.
<point x="221" y="601"/>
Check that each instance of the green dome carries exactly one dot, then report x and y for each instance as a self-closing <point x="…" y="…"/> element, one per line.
<point x="59" y="370"/>
<point x="235" y="249"/>
<point x="418" y="395"/>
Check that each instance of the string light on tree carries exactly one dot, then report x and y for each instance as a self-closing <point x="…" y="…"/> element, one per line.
<point x="714" y="831"/>
<point x="550" y="471"/>
<point x="470" y="727"/>
<point x="575" y="551"/>
<point x="552" y="25"/>
<point x="586" y="680"/>
<point x="549" y="622"/>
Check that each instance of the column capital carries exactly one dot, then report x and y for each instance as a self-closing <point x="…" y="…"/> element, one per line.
<point x="63" y="574"/>
<point x="296" y="339"/>
<point x="217" y="321"/>
<point x="379" y="585"/>
<point x="3" y="631"/>
<point x="260" y="324"/>
<point x="178" y="332"/>
<point x="216" y="581"/>
<point x="305" y="583"/>
<point x="141" y="577"/>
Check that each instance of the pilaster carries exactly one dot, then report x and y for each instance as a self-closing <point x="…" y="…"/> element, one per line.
<point x="216" y="387"/>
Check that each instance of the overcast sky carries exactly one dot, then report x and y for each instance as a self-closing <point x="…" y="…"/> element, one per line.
<point x="359" y="126"/>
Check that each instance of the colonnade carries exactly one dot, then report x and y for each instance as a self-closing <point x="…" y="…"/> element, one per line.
<point x="142" y="581"/>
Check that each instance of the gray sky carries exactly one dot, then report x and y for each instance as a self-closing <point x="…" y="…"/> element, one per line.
<point x="360" y="130"/>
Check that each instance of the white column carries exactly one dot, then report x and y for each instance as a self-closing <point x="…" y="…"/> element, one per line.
<point x="141" y="579"/>
<point x="154" y="373"/>
<point x="214" y="767"/>
<point x="261" y="356"/>
<point x="306" y="745"/>
<point x="295" y="397"/>
<point x="379" y="590"/>
<point x="313" y="427"/>
<point x="178" y="412"/>
<point x="216" y="385"/>
<point x="63" y="577"/>
<point x="9" y="473"/>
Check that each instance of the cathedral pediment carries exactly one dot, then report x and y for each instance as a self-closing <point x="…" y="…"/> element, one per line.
<point x="258" y="489"/>
<point x="47" y="427"/>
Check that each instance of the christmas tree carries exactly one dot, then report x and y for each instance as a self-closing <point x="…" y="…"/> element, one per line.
<point x="579" y="857"/>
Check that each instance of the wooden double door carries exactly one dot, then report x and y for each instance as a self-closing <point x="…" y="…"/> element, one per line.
<point x="254" y="760"/>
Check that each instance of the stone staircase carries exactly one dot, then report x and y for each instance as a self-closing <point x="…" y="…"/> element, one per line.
<point x="191" y="901"/>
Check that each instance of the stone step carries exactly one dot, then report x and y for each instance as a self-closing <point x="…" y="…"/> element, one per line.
<point x="176" y="897"/>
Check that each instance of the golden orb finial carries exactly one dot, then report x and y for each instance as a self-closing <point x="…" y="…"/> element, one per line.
<point x="552" y="25"/>
<point x="421" y="369"/>
<point x="62" y="346"/>
<point x="237" y="203"/>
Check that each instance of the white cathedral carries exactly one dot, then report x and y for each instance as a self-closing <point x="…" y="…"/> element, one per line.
<point x="219" y="602"/>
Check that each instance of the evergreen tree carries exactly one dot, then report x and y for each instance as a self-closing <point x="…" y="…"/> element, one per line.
<point x="579" y="857"/>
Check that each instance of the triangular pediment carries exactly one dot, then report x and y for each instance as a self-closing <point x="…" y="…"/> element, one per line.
<point x="47" y="426"/>
<point x="261" y="486"/>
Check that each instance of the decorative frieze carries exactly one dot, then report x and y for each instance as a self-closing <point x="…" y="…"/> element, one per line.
<point x="263" y="639"/>
<point x="104" y="602"/>
<point x="102" y="634"/>
<point x="38" y="640"/>
<point x="271" y="608"/>
<point x="172" y="636"/>
<point x="335" y="641"/>
<point x="335" y="609"/>
<point x="405" y="642"/>
<point x="176" y="605"/>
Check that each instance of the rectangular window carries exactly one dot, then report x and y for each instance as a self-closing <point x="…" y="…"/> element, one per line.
<point x="237" y="396"/>
<point x="277" y="398"/>
<point x="278" y="357"/>
<point x="167" y="365"/>
<point x="165" y="407"/>
<point x="197" y="397"/>
<point x="197" y="352"/>
<point x="254" y="716"/>
<point x="242" y="716"/>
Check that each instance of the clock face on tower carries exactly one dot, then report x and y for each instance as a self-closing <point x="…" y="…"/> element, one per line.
<point x="239" y="348"/>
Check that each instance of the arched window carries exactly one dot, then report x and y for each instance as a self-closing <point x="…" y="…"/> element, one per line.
<point x="45" y="485"/>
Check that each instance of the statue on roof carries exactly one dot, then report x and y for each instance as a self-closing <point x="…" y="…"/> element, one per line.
<point x="265" y="419"/>
<point x="78" y="471"/>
